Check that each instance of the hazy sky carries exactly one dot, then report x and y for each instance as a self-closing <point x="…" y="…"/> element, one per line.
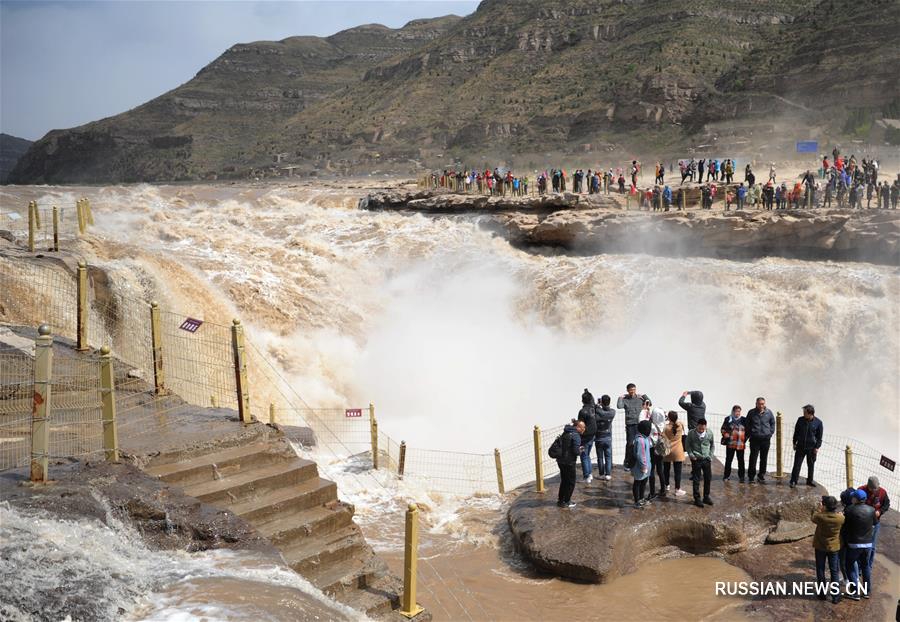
<point x="65" y="63"/>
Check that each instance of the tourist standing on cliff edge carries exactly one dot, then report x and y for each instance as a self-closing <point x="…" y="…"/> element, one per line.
<point x="641" y="449"/>
<point x="632" y="404"/>
<point x="696" y="408"/>
<point x="674" y="461"/>
<point x="605" y="416"/>
<point x="760" y="428"/>
<point x="734" y="435"/>
<point x="588" y="416"/>
<point x="807" y="440"/>
<point x="827" y="543"/>
<point x="700" y="451"/>
<point x="877" y="497"/>
<point x="570" y="447"/>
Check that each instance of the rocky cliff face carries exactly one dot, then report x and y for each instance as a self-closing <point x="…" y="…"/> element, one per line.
<point x="600" y="224"/>
<point x="528" y="78"/>
<point x="223" y="121"/>
<point x="11" y="149"/>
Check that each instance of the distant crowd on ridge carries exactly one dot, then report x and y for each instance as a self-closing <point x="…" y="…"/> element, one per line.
<point x="840" y="182"/>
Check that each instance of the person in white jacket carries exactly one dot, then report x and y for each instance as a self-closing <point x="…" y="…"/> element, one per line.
<point x="657" y="419"/>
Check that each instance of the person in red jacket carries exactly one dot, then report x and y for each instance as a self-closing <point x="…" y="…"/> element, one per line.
<point x="877" y="497"/>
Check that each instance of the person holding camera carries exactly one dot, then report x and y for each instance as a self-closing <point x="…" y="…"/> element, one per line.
<point x="827" y="543"/>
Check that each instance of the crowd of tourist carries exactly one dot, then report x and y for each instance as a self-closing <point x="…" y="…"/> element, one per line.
<point x="838" y="183"/>
<point x="658" y="443"/>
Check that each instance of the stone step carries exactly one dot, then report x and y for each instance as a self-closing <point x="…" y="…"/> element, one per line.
<point x="287" y="526"/>
<point x="307" y="554"/>
<point x="378" y="599"/>
<point x="217" y="465"/>
<point x="307" y="494"/>
<point x="246" y="484"/>
<point x="350" y="574"/>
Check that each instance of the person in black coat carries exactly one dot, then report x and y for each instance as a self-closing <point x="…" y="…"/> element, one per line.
<point x="807" y="440"/>
<point x="857" y="534"/>
<point x="566" y="463"/>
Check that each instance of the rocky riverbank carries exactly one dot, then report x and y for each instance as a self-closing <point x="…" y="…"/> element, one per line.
<point x="763" y="529"/>
<point x="596" y="224"/>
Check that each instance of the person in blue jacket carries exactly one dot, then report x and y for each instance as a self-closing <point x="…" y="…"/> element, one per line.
<point x="807" y="441"/>
<point x="641" y="448"/>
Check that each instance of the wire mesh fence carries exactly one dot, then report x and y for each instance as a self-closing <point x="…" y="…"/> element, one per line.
<point x="16" y="390"/>
<point x="75" y="421"/>
<point x="14" y="218"/>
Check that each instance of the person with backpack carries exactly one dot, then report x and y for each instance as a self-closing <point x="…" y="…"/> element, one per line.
<point x="734" y="437"/>
<point x="565" y="450"/>
<point x="700" y="451"/>
<point x="641" y="449"/>
<point x="657" y="419"/>
<point x="588" y="416"/>
<point x="603" y="439"/>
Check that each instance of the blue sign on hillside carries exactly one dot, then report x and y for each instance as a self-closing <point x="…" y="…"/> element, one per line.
<point x="807" y="146"/>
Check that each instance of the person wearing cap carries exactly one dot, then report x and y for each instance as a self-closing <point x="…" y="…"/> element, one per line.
<point x="827" y="543"/>
<point x="807" y="440"/>
<point x="859" y="524"/>
<point x="877" y="497"/>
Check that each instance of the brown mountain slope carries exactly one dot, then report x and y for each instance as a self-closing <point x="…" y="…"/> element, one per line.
<point x="214" y="122"/>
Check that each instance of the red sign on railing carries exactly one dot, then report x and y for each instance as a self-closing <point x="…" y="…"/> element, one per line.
<point x="191" y="325"/>
<point x="353" y="412"/>
<point x="888" y="463"/>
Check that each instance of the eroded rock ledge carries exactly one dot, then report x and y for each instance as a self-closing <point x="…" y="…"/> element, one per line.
<point x="604" y="537"/>
<point x="597" y="224"/>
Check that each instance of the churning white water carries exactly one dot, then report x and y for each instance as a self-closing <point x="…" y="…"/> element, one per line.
<point x="55" y="569"/>
<point x="465" y="343"/>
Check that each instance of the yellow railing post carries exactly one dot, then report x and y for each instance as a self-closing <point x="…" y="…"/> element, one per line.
<point x="401" y="465"/>
<point x="159" y="375"/>
<point x="628" y="201"/>
<point x="40" y="409"/>
<point x="683" y="200"/>
<point x="88" y="212"/>
<point x="410" y="608"/>
<point x="81" y="308"/>
<point x="79" y="211"/>
<point x="213" y="402"/>
<point x="108" y="400"/>
<point x="848" y="462"/>
<point x="272" y="413"/>
<point x="55" y="229"/>
<point x="779" y="446"/>
<point x="240" y="371"/>
<point x="373" y="428"/>
<point x="499" y="466"/>
<point x="538" y="461"/>
<point x="31" y="226"/>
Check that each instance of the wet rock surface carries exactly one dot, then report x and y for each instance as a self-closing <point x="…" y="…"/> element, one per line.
<point x="763" y="529"/>
<point x="597" y="224"/>
<point x="621" y="537"/>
